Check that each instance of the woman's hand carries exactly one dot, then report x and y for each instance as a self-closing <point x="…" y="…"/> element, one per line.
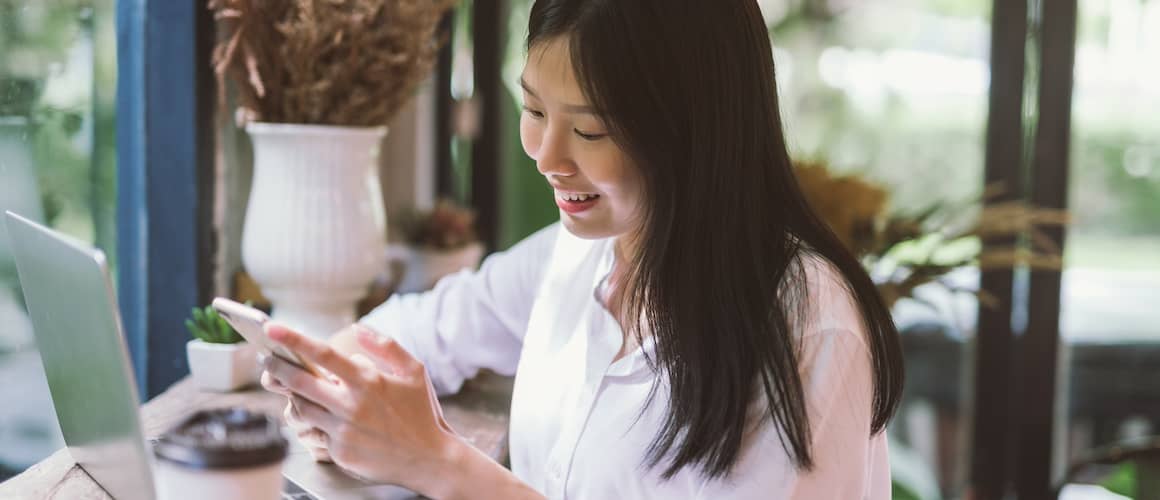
<point x="378" y="419"/>
<point x="310" y="437"/>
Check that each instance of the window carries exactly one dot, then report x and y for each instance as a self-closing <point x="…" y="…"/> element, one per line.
<point x="57" y="165"/>
<point x="897" y="92"/>
<point x="1109" y="324"/>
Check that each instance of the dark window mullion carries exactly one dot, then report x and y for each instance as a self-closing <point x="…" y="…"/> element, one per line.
<point x="991" y="456"/>
<point x="444" y="170"/>
<point x="489" y="26"/>
<point x="1039" y="347"/>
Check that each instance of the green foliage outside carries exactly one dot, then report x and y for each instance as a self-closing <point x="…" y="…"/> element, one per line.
<point x="58" y="70"/>
<point x="527" y="200"/>
<point x="1123" y="480"/>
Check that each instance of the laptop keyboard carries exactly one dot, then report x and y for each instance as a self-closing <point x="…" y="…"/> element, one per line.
<point x="291" y="491"/>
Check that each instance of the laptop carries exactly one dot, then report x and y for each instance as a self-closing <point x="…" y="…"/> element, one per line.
<point x="74" y="314"/>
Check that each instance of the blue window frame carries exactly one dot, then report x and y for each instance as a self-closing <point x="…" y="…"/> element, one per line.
<point x="164" y="180"/>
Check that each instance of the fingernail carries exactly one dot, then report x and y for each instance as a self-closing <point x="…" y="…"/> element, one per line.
<point x="365" y="333"/>
<point x="371" y="336"/>
<point x="275" y="334"/>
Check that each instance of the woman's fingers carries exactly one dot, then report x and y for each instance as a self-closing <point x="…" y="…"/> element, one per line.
<point x="316" y="351"/>
<point x="387" y="350"/>
<point x="300" y="382"/>
<point x="393" y="354"/>
<point x="316" y="416"/>
<point x="321" y="455"/>
<point x="312" y="438"/>
<point x="273" y="385"/>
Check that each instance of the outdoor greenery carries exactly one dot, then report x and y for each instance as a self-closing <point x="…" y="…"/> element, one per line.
<point x="58" y="71"/>
<point x="57" y="76"/>
<point x="34" y="41"/>
<point x="1122" y="481"/>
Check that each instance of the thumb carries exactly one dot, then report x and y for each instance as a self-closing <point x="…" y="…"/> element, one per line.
<point x="278" y="331"/>
<point x="387" y="350"/>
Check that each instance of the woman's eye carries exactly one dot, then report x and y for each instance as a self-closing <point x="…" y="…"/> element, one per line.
<point x="535" y="114"/>
<point x="590" y="137"/>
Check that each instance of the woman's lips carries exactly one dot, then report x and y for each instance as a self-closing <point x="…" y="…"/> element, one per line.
<point x="578" y="203"/>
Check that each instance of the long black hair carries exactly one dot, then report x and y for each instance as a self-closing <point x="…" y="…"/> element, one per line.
<point x="686" y="88"/>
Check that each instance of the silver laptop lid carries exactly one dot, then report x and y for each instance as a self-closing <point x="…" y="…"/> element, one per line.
<point x="74" y="315"/>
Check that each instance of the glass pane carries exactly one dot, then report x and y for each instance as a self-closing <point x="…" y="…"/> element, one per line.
<point x="1110" y="322"/>
<point x="57" y="70"/>
<point x="895" y="92"/>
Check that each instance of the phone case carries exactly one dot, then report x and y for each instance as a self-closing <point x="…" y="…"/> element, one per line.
<point x="249" y="322"/>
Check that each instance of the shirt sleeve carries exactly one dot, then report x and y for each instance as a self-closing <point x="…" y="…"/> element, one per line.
<point x="471" y="320"/>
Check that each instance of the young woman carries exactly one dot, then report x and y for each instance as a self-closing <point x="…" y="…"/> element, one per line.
<point x="690" y="329"/>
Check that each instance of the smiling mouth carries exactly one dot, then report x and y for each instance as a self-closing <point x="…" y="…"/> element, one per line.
<point x="574" y="197"/>
<point x="575" y="203"/>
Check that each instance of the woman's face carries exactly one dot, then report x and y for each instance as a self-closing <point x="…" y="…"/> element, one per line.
<point x="596" y="186"/>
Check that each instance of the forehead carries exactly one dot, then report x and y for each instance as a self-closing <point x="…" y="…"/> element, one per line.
<point x="549" y="72"/>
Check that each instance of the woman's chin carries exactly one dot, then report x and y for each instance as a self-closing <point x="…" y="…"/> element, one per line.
<point x="585" y="229"/>
<point x="588" y="229"/>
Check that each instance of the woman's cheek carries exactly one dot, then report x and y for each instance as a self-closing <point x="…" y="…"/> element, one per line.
<point x="530" y="135"/>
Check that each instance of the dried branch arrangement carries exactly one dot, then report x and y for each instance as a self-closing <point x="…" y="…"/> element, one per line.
<point x="327" y="62"/>
<point x="909" y="250"/>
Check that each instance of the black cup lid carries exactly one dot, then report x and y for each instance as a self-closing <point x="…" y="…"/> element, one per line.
<point x="223" y="439"/>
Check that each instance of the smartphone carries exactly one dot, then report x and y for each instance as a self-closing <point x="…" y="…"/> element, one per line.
<point x="250" y="323"/>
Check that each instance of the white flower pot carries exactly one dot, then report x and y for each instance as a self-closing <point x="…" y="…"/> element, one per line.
<point x="314" y="230"/>
<point x="423" y="267"/>
<point x="222" y="367"/>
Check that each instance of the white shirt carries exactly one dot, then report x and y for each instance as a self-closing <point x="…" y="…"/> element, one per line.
<point x="532" y="311"/>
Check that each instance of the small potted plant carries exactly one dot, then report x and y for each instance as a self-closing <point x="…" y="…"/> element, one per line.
<point x="439" y="242"/>
<point x="219" y="358"/>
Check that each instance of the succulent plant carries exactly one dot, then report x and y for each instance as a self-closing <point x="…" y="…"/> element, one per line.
<point x="207" y="326"/>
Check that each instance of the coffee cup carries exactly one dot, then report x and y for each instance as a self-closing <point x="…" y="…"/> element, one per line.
<point x="223" y="454"/>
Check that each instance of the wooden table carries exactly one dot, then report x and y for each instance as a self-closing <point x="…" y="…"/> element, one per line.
<point x="479" y="413"/>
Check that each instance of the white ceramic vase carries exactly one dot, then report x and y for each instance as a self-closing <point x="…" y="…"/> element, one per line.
<point x="314" y="231"/>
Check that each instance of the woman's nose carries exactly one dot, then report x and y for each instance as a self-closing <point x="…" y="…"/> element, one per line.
<point x="554" y="158"/>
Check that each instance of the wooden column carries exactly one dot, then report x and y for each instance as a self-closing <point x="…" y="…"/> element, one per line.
<point x="489" y="21"/>
<point x="1039" y="347"/>
<point x="991" y="454"/>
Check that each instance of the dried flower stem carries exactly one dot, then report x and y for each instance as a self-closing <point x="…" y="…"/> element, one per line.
<point x="330" y="62"/>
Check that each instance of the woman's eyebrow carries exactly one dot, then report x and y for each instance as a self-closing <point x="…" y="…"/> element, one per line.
<point x="570" y="108"/>
<point x="527" y="88"/>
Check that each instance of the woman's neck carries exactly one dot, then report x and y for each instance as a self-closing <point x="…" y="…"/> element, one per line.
<point x="623" y="250"/>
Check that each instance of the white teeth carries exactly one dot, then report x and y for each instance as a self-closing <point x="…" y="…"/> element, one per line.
<point x="576" y="197"/>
